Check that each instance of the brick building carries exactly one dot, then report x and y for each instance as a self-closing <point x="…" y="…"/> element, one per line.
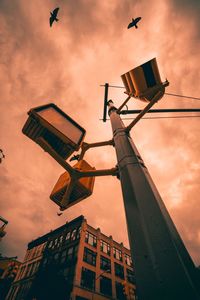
<point x="76" y="262"/>
<point x="8" y="269"/>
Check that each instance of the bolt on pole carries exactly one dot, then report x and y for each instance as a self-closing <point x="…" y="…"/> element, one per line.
<point x="163" y="267"/>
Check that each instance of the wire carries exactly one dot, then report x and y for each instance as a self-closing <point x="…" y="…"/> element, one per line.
<point x="114" y="86"/>
<point x="175" y="117"/>
<point x="189" y="97"/>
<point x="170" y="94"/>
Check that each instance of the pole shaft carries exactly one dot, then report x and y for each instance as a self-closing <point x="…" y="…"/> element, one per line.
<point x="163" y="267"/>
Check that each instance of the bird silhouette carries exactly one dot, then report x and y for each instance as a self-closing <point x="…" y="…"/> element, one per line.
<point x="134" y="23"/>
<point x="53" y="16"/>
<point x="75" y="157"/>
<point x="1" y="155"/>
<point x="59" y="214"/>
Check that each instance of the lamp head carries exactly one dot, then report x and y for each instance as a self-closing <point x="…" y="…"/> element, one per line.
<point x="57" y="129"/>
<point x="144" y="82"/>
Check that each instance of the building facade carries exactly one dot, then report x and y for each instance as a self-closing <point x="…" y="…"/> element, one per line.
<point x="76" y="262"/>
<point x="8" y="269"/>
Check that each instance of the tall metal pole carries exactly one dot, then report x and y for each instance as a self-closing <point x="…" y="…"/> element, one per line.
<point x="163" y="267"/>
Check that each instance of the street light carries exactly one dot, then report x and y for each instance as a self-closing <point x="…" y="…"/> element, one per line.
<point x="144" y="82"/>
<point x="163" y="267"/>
<point x="60" y="136"/>
<point x="49" y="125"/>
<point x="69" y="191"/>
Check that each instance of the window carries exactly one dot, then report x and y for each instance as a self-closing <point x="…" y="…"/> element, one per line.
<point x="40" y="250"/>
<point x="119" y="291"/>
<point x="105" y="247"/>
<point x="71" y="253"/>
<point x="117" y="253"/>
<point x="88" y="279"/>
<point x="106" y="286"/>
<point x="34" y="268"/>
<point x="78" y="232"/>
<point x="50" y="244"/>
<point x="90" y="239"/>
<point x="89" y="256"/>
<point x="45" y="261"/>
<point x="67" y="238"/>
<point x="13" y="296"/>
<point x="55" y="241"/>
<point x="60" y="239"/>
<point x="119" y="270"/>
<point x="22" y="272"/>
<point x="68" y="273"/>
<point x="23" y="290"/>
<point x="12" y="292"/>
<point x="128" y="260"/>
<point x="31" y="270"/>
<point x="130" y="276"/>
<point x="27" y="270"/>
<point x="63" y="256"/>
<point x="36" y="265"/>
<point x="73" y="235"/>
<point x="29" y="254"/>
<point x="19" y="274"/>
<point x="105" y="264"/>
<point x="37" y="251"/>
<point x="26" y="255"/>
<point x="56" y="256"/>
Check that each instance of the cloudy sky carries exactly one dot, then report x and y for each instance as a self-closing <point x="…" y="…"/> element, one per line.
<point x="66" y="64"/>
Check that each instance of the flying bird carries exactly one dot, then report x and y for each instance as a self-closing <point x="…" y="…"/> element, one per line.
<point x="1" y="155"/>
<point x="75" y="157"/>
<point x="59" y="214"/>
<point x="134" y="22"/>
<point x="53" y="16"/>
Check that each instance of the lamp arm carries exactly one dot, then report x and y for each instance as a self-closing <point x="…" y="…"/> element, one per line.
<point x="56" y="156"/>
<point x="87" y="146"/>
<point x="74" y="173"/>
<point x="144" y="111"/>
<point x="94" y="173"/>
<point x="124" y="103"/>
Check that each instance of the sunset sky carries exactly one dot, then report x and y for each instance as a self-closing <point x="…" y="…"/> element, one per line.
<point x="66" y="64"/>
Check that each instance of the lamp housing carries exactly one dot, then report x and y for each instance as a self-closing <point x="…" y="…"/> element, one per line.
<point x="144" y="82"/>
<point x="56" y="128"/>
<point x="82" y="188"/>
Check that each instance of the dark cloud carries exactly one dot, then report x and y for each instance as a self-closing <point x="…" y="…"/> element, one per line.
<point x="186" y="4"/>
<point x="65" y="64"/>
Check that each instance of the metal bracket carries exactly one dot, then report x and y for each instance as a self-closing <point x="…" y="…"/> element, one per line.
<point x="124" y="103"/>
<point x="87" y="146"/>
<point x="74" y="173"/>
<point x="144" y="111"/>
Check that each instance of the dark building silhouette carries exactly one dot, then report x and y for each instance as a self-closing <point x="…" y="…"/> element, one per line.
<point x="74" y="261"/>
<point x="8" y="269"/>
